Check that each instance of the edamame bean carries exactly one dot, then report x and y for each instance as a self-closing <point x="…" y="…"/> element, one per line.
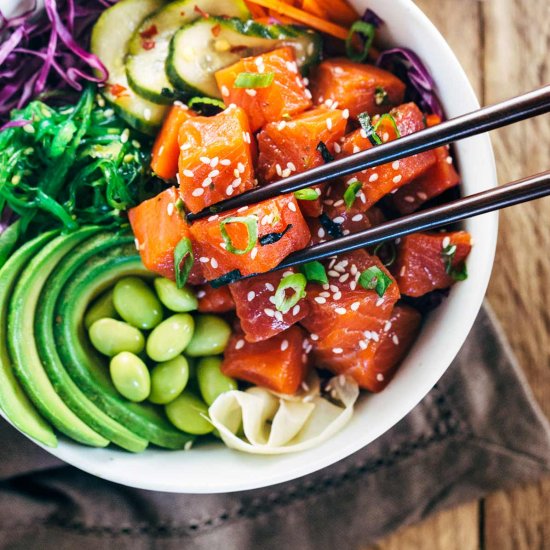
<point x="102" y="308"/>
<point x="130" y="376"/>
<point x="136" y="303"/>
<point x="168" y="380"/>
<point x="110" y="337"/>
<point x="212" y="382"/>
<point x="210" y="337"/>
<point x="170" y="338"/>
<point x="186" y="411"/>
<point x="174" y="298"/>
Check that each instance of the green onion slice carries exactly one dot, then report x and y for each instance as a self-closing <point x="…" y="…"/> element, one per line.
<point x="367" y="32"/>
<point x="380" y="96"/>
<point x="254" y="80"/>
<point x="307" y="194"/>
<point x="392" y="121"/>
<point x="366" y="124"/>
<point x="296" y="282"/>
<point x="392" y="252"/>
<point x="183" y="261"/>
<point x="315" y="272"/>
<point x="350" y="193"/>
<point x="374" y="278"/>
<point x="448" y="255"/>
<point x="251" y="224"/>
<point x="206" y="101"/>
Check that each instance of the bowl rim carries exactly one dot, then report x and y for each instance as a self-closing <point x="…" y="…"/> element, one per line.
<point x="115" y="465"/>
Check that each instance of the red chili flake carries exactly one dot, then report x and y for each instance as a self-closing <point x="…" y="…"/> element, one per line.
<point x="216" y="29"/>
<point x="149" y="32"/>
<point x="201" y="12"/>
<point x="117" y="90"/>
<point x="147" y="44"/>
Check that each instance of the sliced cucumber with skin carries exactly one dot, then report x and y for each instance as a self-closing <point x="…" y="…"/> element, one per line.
<point x="13" y="400"/>
<point x="110" y="39"/>
<point x="148" y="48"/>
<point x="71" y="394"/>
<point x="206" y="46"/>
<point x="88" y="280"/>
<point x="23" y="346"/>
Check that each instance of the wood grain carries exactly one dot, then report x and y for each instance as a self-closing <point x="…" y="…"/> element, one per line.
<point x="504" y="47"/>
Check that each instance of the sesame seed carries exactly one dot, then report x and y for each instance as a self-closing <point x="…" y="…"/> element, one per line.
<point x="214" y="174"/>
<point x="397" y="178"/>
<point x="170" y="208"/>
<point x="353" y="285"/>
<point x="403" y="271"/>
<point x="385" y="137"/>
<point x="324" y="294"/>
<point x="225" y="91"/>
<point x="333" y="273"/>
<point x="250" y="296"/>
<point x="126" y="135"/>
<point x="269" y="287"/>
<point x="296" y="310"/>
<point x="338" y="219"/>
<point x="239" y="344"/>
<point x="188" y="173"/>
<point x="353" y="269"/>
<point x="341" y="310"/>
<point x="395" y="339"/>
<point x="339" y="203"/>
<point x="136" y="242"/>
<point x="337" y="350"/>
<point x="229" y="190"/>
<point x="214" y="263"/>
<point x="337" y="148"/>
<point x="329" y="123"/>
<point x="320" y="300"/>
<point x="254" y="253"/>
<point x="284" y="345"/>
<point x="345" y="114"/>
<point x="185" y="147"/>
<point x="204" y="260"/>
<point x="241" y="168"/>
<point x="363" y="133"/>
<point x="446" y="242"/>
<point x="225" y="162"/>
<point x="357" y="218"/>
<point x="395" y="165"/>
<point x="334" y="288"/>
<point x="286" y="173"/>
<point x="344" y="278"/>
<point x="387" y="326"/>
<point x="278" y="169"/>
<point x="314" y="337"/>
<point x="292" y="207"/>
<point x="355" y="306"/>
<point x="356" y="149"/>
<point x="269" y="312"/>
<point x="198" y="192"/>
<point x="213" y="218"/>
<point x="409" y="198"/>
<point x="379" y="302"/>
<point x="251" y="92"/>
<point x="207" y="182"/>
<point x="279" y="316"/>
<point x="380" y="377"/>
<point x="291" y="166"/>
<point x="205" y="160"/>
<point x="201" y="294"/>
<point x="373" y="177"/>
<point x="422" y="196"/>
<point x="363" y="345"/>
<point x="449" y="160"/>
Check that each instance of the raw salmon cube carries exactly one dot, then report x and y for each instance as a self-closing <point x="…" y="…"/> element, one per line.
<point x="279" y="364"/>
<point x="427" y="261"/>
<point x="280" y="226"/>
<point x="357" y="87"/>
<point x="216" y="158"/>
<point x="215" y="300"/>
<point x="286" y="96"/>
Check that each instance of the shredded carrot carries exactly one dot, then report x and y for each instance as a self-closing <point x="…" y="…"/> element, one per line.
<point x="338" y="11"/>
<point x="257" y="11"/>
<point x="283" y="18"/>
<point x="304" y="18"/>
<point x="313" y="7"/>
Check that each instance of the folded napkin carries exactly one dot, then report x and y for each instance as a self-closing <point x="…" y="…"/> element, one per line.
<point x="477" y="431"/>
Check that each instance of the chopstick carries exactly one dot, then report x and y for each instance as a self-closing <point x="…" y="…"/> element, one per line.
<point x="513" y="110"/>
<point x="517" y="192"/>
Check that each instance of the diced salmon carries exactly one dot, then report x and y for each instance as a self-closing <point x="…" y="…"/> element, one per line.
<point x="289" y="147"/>
<point x="280" y="226"/>
<point x="259" y="317"/>
<point x="216" y="158"/>
<point x="373" y="361"/>
<point x="378" y="182"/>
<point x="286" y="96"/>
<point x="166" y="150"/>
<point x="435" y="181"/>
<point x="215" y="300"/>
<point x="279" y="364"/>
<point x="423" y="263"/>
<point x="343" y="307"/>
<point x="357" y="87"/>
<point x="158" y="227"/>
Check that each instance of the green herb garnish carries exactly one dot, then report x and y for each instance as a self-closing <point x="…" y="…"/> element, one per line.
<point x="448" y="254"/>
<point x="367" y="32"/>
<point x="183" y="261"/>
<point x="350" y="193"/>
<point x="380" y="96"/>
<point x="251" y="224"/>
<point x="307" y="194"/>
<point x="315" y="272"/>
<point x="295" y="282"/>
<point x="374" y="278"/>
<point x="254" y="80"/>
<point x="366" y="125"/>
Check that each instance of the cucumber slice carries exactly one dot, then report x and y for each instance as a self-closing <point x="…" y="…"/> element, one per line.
<point x="198" y="50"/>
<point x="110" y="38"/>
<point x="148" y="49"/>
<point x="13" y="400"/>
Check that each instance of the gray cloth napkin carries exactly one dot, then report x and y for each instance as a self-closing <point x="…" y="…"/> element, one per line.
<point x="477" y="431"/>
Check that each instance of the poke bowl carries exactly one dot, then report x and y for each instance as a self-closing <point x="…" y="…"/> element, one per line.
<point x="243" y="462"/>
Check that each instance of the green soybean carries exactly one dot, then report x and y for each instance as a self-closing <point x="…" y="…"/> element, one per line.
<point x="102" y="308"/>
<point x="186" y="413"/>
<point x="170" y="338"/>
<point x="130" y="376"/>
<point x="136" y="303"/>
<point x="212" y="382"/>
<point x="110" y="337"/>
<point x="168" y="380"/>
<point x="175" y="299"/>
<point x="210" y="337"/>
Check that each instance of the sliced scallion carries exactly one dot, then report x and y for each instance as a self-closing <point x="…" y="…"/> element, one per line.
<point x="307" y="194"/>
<point x="367" y="32"/>
<point x="296" y="283"/>
<point x="254" y="80"/>
<point x="366" y="124"/>
<point x="351" y="193"/>
<point x="374" y="278"/>
<point x="183" y="261"/>
<point x="251" y="224"/>
<point x="315" y="272"/>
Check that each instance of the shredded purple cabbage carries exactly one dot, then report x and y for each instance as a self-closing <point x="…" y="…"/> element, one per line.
<point x="42" y="55"/>
<point x="420" y="85"/>
<point x="371" y="17"/>
<point x="13" y="124"/>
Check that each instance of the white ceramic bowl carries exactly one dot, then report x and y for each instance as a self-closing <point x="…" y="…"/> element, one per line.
<point x="216" y="469"/>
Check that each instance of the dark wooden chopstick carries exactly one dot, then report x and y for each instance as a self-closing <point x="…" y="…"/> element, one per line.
<point x="477" y="122"/>
<point x="524" y="190"/>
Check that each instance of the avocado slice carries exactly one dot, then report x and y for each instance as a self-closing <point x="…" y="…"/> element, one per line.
<point x="86" y="279"/>
<point x="23" y="347"/>
<point x="73" y="397"/>
<point x="14" y="403"/>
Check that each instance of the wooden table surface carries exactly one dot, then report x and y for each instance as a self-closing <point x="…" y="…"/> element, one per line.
<point x="504" y="46"/>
